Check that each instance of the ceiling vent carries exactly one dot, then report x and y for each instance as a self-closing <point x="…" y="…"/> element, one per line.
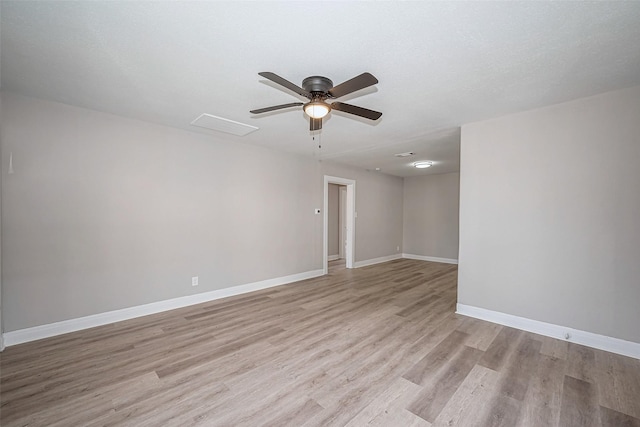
<point x="220" y="124"/>
<point x="407" y="154"/>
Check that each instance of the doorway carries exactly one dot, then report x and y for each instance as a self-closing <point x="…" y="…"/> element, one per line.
<point x="348" y="224"/>
<point x="336" y="211"/>
<point x="342" y="221"/>
<point x="336" y="225"/>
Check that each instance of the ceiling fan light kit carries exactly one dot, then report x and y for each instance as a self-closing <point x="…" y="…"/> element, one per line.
<point x="317" y="109"/>
<point x="318" y="89"/>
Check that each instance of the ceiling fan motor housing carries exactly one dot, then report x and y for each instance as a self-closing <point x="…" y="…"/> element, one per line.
<point x="317" y="84"/>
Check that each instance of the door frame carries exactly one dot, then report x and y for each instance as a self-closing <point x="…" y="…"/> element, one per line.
<point x="350" y="216"/>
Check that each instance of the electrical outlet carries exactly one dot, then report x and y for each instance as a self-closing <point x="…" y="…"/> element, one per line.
<point x="194" y="281"/>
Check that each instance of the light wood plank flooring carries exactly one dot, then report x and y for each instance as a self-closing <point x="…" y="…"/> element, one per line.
<point x="378" y="346"/>
<point x="337" y="265"/>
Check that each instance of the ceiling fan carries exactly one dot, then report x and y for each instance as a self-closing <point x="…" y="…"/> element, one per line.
<point x="318" y="90"/>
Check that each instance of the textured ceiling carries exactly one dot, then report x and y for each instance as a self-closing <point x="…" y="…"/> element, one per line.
<point x="440" y="65"/>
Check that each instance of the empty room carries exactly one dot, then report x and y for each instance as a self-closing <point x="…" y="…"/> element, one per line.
<point x="277" y="213"/>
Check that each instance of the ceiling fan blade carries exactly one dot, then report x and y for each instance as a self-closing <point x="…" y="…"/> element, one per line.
<point x="356" y="83"/>
<point x="286" y="83"/>
<point x="358" y="111"/>
<point x="276" y="107"/>
<point x="315" y="124"/>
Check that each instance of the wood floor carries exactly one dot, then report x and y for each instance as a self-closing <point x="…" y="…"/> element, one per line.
<point x="378" y="345"/>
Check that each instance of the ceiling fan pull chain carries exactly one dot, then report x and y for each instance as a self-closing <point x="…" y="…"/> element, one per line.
<point x="313" y="137"/>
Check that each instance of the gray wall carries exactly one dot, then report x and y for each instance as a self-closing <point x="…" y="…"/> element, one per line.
<point x="104" y="212"/>
<point x="431" y="215"/>
<point x="334" y="220"/>
<point x="549" y="214"/>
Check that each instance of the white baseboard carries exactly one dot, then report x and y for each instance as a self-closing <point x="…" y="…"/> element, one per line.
<point x="333" y="257"/>
<point x="430" y="258"/>
<point x="45" y="331"/>
<point x="373" y="261"/>
<point x="601" y="342"/>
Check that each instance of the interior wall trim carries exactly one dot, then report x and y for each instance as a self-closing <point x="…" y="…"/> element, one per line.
<point x="379" y="260"/>
<point x="58" y="328"/>
<point x="333" y="257"/>
<point x="601" y="342"/>
<point x="430" y="258"/>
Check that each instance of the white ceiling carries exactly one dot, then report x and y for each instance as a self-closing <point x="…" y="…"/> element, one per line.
<point x="440" y="65"/>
